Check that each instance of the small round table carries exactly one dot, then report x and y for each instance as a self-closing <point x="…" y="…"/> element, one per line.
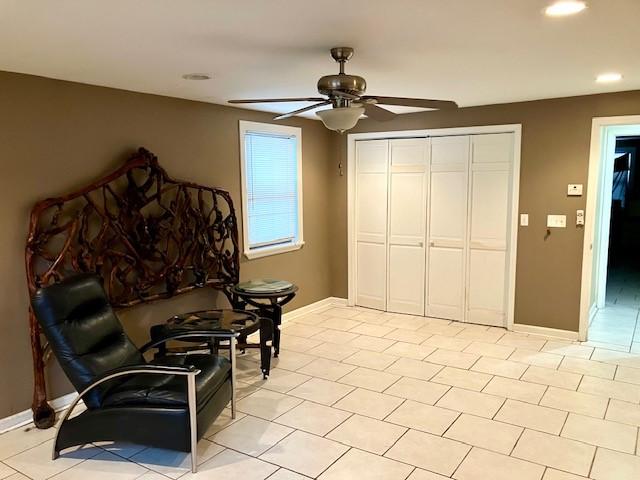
<point x="240" y="322"/>
<point x="268" y="296"/>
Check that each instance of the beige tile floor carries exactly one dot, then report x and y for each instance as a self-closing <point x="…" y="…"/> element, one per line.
<point x="617" y="326"/>
<point x="361" y="394"/>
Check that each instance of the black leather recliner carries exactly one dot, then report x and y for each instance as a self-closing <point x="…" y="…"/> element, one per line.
<point x="167" y="403"/>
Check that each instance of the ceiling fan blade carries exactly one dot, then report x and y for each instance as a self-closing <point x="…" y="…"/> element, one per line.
<point x="302" y="110"/>
<point x="413" y="102"/>
<point x="373" y="111"/>
<point x="271" y="100"/>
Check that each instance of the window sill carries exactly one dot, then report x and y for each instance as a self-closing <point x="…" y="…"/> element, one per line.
<point x="267" y="251"/>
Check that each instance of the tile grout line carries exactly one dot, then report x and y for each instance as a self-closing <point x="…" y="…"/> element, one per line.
<point x="462" y="461"/>
<point x="516" y="443"/>
<point x="593" y="461"/>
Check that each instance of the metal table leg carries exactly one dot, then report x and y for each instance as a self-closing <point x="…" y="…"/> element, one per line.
<point x="266" y="336"/>
<point x="277" y="322"/>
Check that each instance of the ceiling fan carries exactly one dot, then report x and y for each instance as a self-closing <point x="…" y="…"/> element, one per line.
<point x="346" y="96"/>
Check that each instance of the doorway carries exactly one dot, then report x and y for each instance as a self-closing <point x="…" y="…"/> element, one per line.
<point x="611" y="290"/>
<point x="623" y="269"/>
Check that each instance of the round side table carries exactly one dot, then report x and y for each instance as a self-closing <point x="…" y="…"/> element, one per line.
<point x="268" y="296"/>
<point x="240" y="322"/>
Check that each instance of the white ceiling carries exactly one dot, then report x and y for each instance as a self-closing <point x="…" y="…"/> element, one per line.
<point x="476" y="52"/>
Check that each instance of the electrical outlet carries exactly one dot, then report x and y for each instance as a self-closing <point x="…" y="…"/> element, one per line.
<point x="580" y="217"/>
<point x="557" y="221"/>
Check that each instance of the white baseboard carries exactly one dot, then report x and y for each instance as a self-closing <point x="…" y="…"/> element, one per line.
<point x="546" y="331"/>
<point x="23" y="418"/>
<point x="314" y="307"/>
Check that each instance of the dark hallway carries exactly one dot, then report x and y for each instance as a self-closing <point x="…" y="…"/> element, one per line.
<point x="623" y="277"/>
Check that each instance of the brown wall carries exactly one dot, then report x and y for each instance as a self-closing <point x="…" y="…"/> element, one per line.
<point x="57" y="136"/>
<point x="555" y="152"/>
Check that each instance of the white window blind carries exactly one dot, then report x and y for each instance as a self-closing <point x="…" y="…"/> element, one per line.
<point x="271" y="176"/>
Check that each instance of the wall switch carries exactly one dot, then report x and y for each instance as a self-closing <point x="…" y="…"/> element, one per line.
<point x="580" y="217"/>
<point x="524" y="219"/>
<point x="557" y="221"/>
<point x="574" y="190"/>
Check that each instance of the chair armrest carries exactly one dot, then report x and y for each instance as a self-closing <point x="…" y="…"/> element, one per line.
<point x="141" y="369"/>
<point x="184" y="370"/>
<point x="225" y="334"/>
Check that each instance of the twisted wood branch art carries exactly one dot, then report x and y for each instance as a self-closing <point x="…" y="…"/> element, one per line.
<point x="148" y="236"/>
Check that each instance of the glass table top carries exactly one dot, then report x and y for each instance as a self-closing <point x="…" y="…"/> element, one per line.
<point x="264" y="285"/>
<point x="217" y="319"/>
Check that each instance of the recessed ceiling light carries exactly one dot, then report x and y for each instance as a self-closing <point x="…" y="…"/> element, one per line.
<point x="564" y="8"/>
<point x="609" y="77"/>
<point x="196" y="76"/>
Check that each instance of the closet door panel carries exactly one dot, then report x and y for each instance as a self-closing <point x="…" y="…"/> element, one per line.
<point x="493" y="148"/>
<point x="487" y="295"/>
<point x="371" y="222"/>
<point x="406" y="279"/>
<point x="407" y="207"/>
<point x="490" y="206"/>
<point x="372" y="207"/>
<point x="406" y="242"/>
<point x="489" y="228"/>
<point x="450" y="150"/>
<point x="448" y="217"/>
<point x="447" y="227"/>
<point x="446" y="272"/>
<point x="407" y="222"/>
<point x="371" y="275"/>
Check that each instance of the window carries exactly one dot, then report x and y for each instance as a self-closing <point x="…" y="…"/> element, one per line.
<point x="271" y="165"/>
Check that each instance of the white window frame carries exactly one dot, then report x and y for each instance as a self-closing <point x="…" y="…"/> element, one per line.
<point x="269" y="128"/>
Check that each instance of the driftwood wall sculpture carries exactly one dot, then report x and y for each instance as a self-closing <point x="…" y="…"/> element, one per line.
<point x="148" y="236"/>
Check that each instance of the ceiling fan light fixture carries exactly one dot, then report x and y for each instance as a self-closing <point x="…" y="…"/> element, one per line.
<point x="341" y="119"/>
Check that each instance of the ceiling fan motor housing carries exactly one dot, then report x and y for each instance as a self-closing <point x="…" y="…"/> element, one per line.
<point x="352" y="84"/>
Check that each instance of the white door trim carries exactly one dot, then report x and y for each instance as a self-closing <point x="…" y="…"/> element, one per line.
<point x="516" y="129"/>
<point x="603" y="129"/>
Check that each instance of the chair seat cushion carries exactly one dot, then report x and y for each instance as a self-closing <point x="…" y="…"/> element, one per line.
<point x="171" y="390"/>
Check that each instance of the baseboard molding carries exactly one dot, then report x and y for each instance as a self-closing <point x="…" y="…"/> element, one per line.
<point x="23" y="418"/>
<point x="314" y="307"/>
<point x="546" y="331"/>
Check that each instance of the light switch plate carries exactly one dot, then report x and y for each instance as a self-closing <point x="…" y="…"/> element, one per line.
<point x="524" y="219"/>
<point x="557" y="221"/>
<point x="574" y="190"/>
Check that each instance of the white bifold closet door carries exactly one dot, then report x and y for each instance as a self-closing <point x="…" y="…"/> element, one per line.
<point x="372" y="160"/>
<point x="432" y="226"/>
<point x="490" y="205"/>
<point x="408" y="176"/>
<point x="447" y="219"/>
